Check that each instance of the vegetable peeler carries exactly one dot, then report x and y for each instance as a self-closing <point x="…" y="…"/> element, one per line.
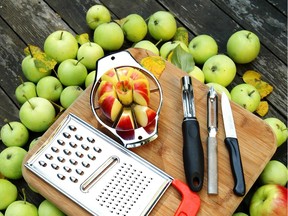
<point x="212" y="125"/>
<point x="193" y="155"/>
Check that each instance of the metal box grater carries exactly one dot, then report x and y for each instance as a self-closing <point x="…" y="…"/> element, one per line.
<point x="96" y="172"/>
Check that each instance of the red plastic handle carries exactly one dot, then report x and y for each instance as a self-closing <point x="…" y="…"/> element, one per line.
<point x="190" y="202"/>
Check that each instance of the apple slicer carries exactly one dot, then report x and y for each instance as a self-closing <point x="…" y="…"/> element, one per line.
<point x="139" y="135"/>
<point x="102" y="176"/>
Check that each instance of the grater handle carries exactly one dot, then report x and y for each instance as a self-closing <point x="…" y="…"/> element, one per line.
<point x="190" y="202"/>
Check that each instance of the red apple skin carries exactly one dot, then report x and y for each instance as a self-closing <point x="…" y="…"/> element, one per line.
<point x="135" y="74"/>
<point x="110" y="106"/>
<point x="126" y="121"/>
<point x="144" y="115"/>
<point x="269" y="200"/>
<point x="141" y="92"/>
<point x="111" y="75"/>
<point x="105" y="87"/>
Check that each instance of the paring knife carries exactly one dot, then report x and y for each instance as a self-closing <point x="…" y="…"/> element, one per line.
<point x="231" y="142"/>
<point x="212" y="151"/>
<point x="193" y="155"/>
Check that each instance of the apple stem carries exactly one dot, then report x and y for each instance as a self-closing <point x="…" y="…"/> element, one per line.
<point x="251" y="92"/>
<point x="21" y="80"/>
<point x="248" y="35"/>
<point x="79" y="60"/>
<point x="10" y="125"/>
<point x="30" y="51"/>
<point x="61" y="35"/>
<point x="28" y="101"/>
<point x="158" y="42"/>
<point x="24" y="195"/>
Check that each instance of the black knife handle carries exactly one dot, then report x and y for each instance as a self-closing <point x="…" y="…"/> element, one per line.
<point x="236" y="166"/>
<point x="193" y="155"/>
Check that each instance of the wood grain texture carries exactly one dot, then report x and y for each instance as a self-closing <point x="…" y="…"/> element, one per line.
<point x="257" y="146"/>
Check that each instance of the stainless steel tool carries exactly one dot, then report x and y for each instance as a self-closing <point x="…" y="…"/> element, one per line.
<point x="231" y="142"/>
<point x="193" y="155"/>
<point x="102" y="176"/>
<point x="212" y="125"/>
<point x="140" y="135"/>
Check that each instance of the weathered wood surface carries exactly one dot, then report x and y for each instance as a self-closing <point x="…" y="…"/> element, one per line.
<point x="31" y="21"/>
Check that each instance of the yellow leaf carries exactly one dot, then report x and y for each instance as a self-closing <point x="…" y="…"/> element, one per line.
<point x="31" y="50"/>
<point x="155" y="64"/>
<point x="181" y="35"/>
<point x="43" y="62"/>
<point x="83" y="38"/>
<point x="263" y="108"/>
<point x="254" y="78"/>
<point x="251" y="76"/>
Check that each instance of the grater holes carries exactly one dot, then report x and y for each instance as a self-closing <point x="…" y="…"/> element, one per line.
<point x="78" y="137"/>
<point x="85" y="147"/>
<point x="73" y="144"/>
<point x="54" y="149"/>
<point x="54" y="166"/>
<point x="66" y="135"/>
<point x="79" y="154"/>
<point x="42" y="163"/>
<point x="90" y="139"/>
<point x="97" y="149"/>
<point x="72" y="127"/>
<point x="73" y="162"/>
<point x="48" y="156"/>
<point x="60" y="142"/>
<point x="67" y="169"/>
<point x="67" y="152"/>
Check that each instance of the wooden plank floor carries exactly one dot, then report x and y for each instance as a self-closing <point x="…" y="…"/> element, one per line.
<point x="31" y="21"/>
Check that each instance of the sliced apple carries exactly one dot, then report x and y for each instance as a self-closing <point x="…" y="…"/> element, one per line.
<point x="144" y="115"/>
<point x="135" y="74"/>
<point x="124" y="92"/>
<point x="126" y="121"/>
<point x="110" y="105"/>
<point x="110" y="76"/>
<point x="141" y="92"/>
<point x="105" y="87"/>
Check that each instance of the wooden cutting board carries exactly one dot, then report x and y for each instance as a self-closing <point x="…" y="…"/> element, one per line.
<point x="256" y="139"/>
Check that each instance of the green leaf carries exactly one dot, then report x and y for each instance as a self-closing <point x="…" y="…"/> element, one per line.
<point x="83" y="38"/>
<point x="43" y="62"/>
<point x="182" y="59"/>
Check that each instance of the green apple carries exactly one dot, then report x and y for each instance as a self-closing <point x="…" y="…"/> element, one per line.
<point x="33" y="142"/>
<point x="243" y="46"/>
<point x="37" y="114"/>
<point x="202" y="47"/>
<point x="169" y="46"/>
<point x="269" y="200"/>
<point x="61" y="45"/>
<point x="46" y="208"/>
<point x="1" y="214"/>
<point x="25" y="91"/>
<point x="134" y="27"/>
<point x="90" y="52"/>
<point x="148" y="45"/>
<point x="219" y="69"/>
<point x="162" y="25"/>
<point x="219" y="89"/>
<point x="21" y="208"/>
<point x="49" y="87"/>
<point x="69" y="95"/>
<point x="72" y="72"/>
<point x="8" y="193"/>
<point x="197" y="73"/>
<point x="246" y="96"/>
<point x="96" y="15"/>
<point x="90" y="78"/>
<point x="240" y="214"/>
<point x="14" y="134"/>
<point x="30" y="70"/>
<point x="279" y="128"/>
<point x="109" y="36"/>
<point x="274" y="172"/>
<point x="11" y="159"/>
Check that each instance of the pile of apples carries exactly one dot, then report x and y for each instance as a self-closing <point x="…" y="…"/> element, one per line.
<point x="43" y="93"/>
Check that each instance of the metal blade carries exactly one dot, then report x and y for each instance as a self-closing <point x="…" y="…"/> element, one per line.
<point x="228" y="120"/>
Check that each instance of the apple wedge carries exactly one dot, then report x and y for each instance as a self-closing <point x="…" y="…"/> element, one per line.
<point x="126" y="121"/>
<point x="141" y="92"/>
<point x="110" y="105"/>
<point x="115" y="74"/>
<point x="124" y="92"/>
<point x="135" y="74"/>
<point x="144" y="115"/>
<point x="105" y="87"/>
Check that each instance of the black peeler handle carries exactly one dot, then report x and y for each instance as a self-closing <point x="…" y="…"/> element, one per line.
<point x="193" y="155"/>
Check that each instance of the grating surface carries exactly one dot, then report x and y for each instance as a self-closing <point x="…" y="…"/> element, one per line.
<point x="96" y="172"/>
